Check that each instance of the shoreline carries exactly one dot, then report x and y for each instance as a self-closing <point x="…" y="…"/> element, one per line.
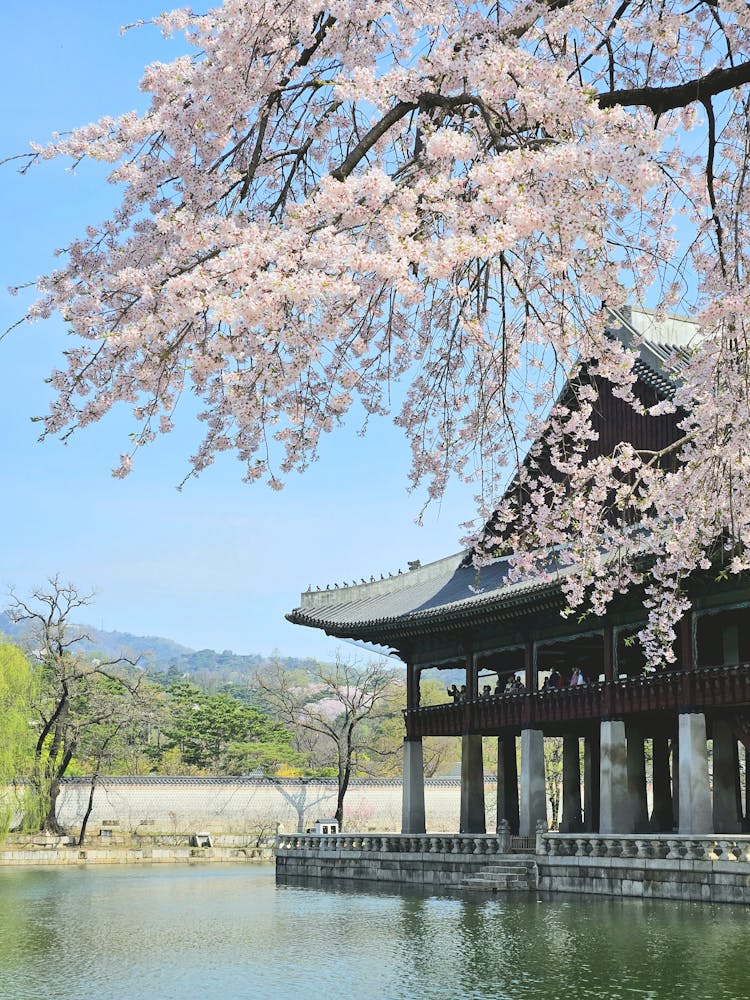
<point x="83" y="856"/>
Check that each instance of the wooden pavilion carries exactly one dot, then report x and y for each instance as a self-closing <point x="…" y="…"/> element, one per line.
<point x="450" y="615"/>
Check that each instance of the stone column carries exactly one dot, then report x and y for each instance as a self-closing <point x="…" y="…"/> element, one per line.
<point x="507" y="782"/>
<point x="412" y="802"/>
<point x="615" y="815"/>
<point x="591" y="782"/>
<point x="695" y="796"/>
<point x="533" y="797"/>
<point x="726" y="816"/>
<point x="571" y="821"/>
<point x="637" y="780"/>
<point x="662" y="816"/>
<point x="472" y="784"/>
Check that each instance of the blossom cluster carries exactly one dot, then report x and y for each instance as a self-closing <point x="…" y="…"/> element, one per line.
<point x="322" y="201"/>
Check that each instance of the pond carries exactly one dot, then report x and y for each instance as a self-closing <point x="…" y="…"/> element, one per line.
<point x="171" y="931"/>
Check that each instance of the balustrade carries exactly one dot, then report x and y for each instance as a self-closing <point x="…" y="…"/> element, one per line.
<point x="664" y="846"/>
<point x="469" y="844"/>
<point x="704" y="688"/>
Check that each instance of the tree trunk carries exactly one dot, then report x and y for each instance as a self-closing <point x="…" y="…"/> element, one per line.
<point x="345" y="773"/>
<point x="50" y="823"/>
<point x="89" y="809"/>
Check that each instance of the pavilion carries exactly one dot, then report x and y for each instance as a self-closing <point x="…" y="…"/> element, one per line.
<point x="449" y="615"/>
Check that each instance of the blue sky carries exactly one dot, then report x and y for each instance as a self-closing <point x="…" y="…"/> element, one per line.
<point x="218" y="564"/>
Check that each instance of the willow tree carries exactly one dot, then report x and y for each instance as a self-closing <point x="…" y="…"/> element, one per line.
<point x="17" y="688"/>
<point x="322" y="200"/>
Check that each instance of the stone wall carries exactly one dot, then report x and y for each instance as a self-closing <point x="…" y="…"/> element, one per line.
<point x="138" y="805"/>
<point x="691" y="881"/>
<point x="128" y="856"/>
<point x="438" y="870"/>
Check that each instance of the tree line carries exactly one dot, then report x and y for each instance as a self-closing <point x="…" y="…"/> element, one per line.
<point x="65" y="711"/>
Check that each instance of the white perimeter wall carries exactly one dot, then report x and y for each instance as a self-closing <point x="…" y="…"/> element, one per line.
<point x="183" y="805"/>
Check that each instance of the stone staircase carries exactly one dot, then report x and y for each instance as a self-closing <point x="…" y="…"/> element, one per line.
<point x="518" y="874"/>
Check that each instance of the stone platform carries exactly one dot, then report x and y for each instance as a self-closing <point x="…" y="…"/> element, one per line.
<point x="710" y="869"/>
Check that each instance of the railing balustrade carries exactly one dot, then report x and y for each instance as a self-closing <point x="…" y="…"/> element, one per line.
<point x="702" y="688"/>
<point x="667" y="846"/>
<point x="413" y="843"/>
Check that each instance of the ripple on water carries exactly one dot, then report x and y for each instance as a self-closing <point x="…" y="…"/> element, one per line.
<point x="231" y="932"/>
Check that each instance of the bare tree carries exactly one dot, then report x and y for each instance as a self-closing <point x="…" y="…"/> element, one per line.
<point x="334" y="716"/>
<point x="76" y="694"/>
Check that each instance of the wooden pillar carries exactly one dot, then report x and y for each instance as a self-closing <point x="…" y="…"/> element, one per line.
<point x="412" y="687"/>
<point x="609" y="654"/>
<point x="472" y="674"/>
<point x="685" y="634"/>
<point x="530" y="670"/>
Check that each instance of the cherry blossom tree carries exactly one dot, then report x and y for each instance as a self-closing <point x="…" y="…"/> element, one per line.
<point x="322" y="202"/>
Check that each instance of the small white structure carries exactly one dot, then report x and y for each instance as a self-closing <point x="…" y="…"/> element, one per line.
<point x="326" y="826"/>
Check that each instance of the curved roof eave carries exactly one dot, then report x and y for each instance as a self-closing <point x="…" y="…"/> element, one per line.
<point x="495" y="606"/>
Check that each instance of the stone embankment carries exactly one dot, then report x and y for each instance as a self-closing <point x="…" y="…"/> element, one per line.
<point x="43" y="850"/>
<point x="713" y="869"/>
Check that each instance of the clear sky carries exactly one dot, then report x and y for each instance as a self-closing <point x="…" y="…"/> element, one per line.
<point x="218" y="564"/>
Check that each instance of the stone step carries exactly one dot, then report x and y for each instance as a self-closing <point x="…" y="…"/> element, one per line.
<point x="501" y="878"/>
<point x="491" y="872"/>
<point x="508" y="869"/>
<point x="496" y="885"/>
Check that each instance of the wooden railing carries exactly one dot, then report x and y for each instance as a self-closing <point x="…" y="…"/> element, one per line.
<point x="671" y="691"/>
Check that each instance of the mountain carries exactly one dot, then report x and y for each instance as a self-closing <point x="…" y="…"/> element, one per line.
<point x="159" y="655"/>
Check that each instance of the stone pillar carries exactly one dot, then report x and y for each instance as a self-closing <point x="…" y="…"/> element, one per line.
<point x="591" y="782"/>
<point x="637" y="780"/>
<point x="662" y="816"/>
<point x="726" y="816"/>
<point x="615" y="815"/>
<point x="472" y="784"/>
<point x="533" y="797"/>
<point x="571" y="821"/>
<point x="412" y="801"/>
<point x="695" y="796"/>
<point x="507" y="783"/>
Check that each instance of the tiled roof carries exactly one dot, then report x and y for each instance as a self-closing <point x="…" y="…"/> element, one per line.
<point x="451" y="589"/>
<point x="413" y="601"/>
<point x="663" y="344"/>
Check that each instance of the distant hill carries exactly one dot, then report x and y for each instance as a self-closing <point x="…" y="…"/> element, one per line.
<point x="159" y="655"/>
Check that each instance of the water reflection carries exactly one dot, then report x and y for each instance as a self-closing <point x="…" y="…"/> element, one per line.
<point x="232" y="932"/>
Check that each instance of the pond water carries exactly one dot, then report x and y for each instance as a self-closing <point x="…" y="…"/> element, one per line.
<point x="170" y="931"/>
